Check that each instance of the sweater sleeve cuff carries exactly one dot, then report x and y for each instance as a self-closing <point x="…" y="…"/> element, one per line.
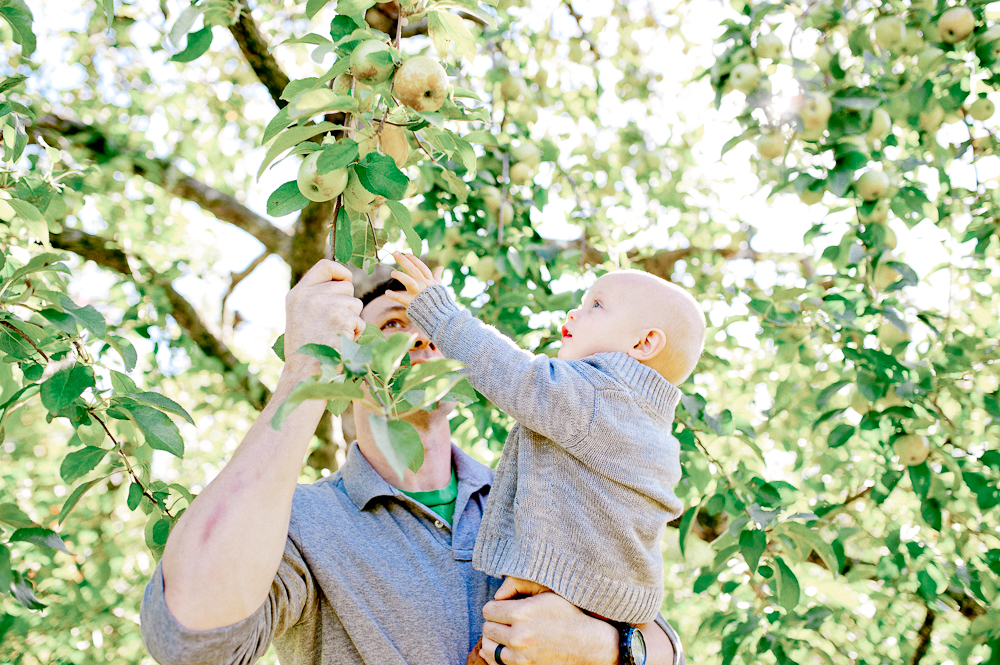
<point x="432" y="307"/>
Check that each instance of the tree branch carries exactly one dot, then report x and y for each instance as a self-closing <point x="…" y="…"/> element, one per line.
<point x="260" y="59"/>
<point x="163" y="173"/>
<point x="107" y="254"/>
<point x="924" y="637"/>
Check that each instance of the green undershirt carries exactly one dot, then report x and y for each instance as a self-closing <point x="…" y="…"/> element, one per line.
<point x="442" y="501"/>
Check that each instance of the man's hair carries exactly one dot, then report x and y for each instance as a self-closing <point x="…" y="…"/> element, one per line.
<point x="391" y="284"/>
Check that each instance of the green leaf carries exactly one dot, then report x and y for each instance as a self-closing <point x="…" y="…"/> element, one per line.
<point x="279" y="122"/>
<point x="379" y="175"/>
<point x="125" y="350"/>
<point x="161" y="433"/>
<point x="423" y="372"/>
<point x="313" y="7"/>
<point x="163" y="403"/>
<point x="343" y="241"/>
<point x="286" y="200"/>
<point x="41" y="537"/>
<point x="25" y="594"/>
<point x="321" y="352"/>
<point x="292" y="137"/>
<point x="109" y="12"/>
<point x="354" y="7"/>
<point x="279" y="347"/>
<point x="840" y="435"/>
<point x="386" y="357"/>
<point x="8" y="83"/>
<point x="197" y="44"/>
<point x="19" y="17"/>
<point x="74" y="499"/>
<point x="305" y="390"/>
<point x="6" y="573"/>
<point x="38" y="263"/>
<point x="134" y="495"/>
<point x="812" y="540"/>
<point x="399" y="443"/>
<point x="122" y="384"/>
<point x="88" y="317"/>
<point x="687" y="523"/>
<point x="161" y="531"/>
<point x="446" y="29"/>
<point x="402" y="217"/>
<point x="65" y="386"/>
<point x="337" y="156"/>
<point x="13" y="516"/>
<point x="81" y="462"/>
<point x="788" y="586"/>
<point x="920" y="478"/>
<point x="341" y="26"/>
<point x="930" y="510"/>
<point x="753" y="543"/>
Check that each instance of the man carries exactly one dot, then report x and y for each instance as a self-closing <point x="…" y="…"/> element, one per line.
<point x="351" y="569"/>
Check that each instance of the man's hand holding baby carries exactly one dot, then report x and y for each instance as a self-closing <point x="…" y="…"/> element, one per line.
<point x="416" y="277"/>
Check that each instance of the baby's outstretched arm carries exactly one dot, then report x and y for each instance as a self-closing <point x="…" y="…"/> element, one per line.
<point x="416" y="278"/>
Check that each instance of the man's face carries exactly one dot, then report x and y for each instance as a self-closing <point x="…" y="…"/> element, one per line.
<point x="390" y="317"/>
<point x="605" y="321"/>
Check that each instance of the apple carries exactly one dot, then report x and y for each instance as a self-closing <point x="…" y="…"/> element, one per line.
<point x="360" y="199"/>
<point x="885" y="275"/>
<point x="511" y="88"/>
<point x="771" y="146"/>
<point x="816" y="110"/>
<point x="342" y="84"/>
<point x="890" y="238"/>
<point x="929" y="57"/>
<point x="982" y="109"/>
<point x="912" y="449"/>
<point x="526" y="153"/>
<point x="878" y="215"/>
<point x="860" y="403"/>
<point x="507" y="214"/>
<point x="421" y="83"/>
<point x="811" y="196"/>
<point x="491" y="198"/>
<point x="956" y="24"/>
<point x="890" y="31"/>
<point x="769" y="46"/>
<point x="880" y="126"/>
<point x="6" y="211"/>
<point x="320" y="186"/>
<point x="931" y="117"/>
<point x="824" y="57"/>
<point x="745" y="77"/>
<point x="812" y="134"/>
<point x="872" y="185"/>
<point x="912" y="43"/>
<point x="365" y="67"/>
<point x="521" y="173"/>
<point x="391" y="140"/>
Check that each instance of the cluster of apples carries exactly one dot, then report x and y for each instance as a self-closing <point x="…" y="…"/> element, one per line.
<point x="419" y="83"/>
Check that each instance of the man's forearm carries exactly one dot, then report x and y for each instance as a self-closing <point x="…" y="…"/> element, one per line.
<point x="223" y="553"/>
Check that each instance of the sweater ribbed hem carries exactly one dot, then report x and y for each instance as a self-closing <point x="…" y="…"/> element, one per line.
<point x="576" y="581"/>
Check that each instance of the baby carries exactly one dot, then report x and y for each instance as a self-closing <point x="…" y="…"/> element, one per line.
<point x="584" y="486"/>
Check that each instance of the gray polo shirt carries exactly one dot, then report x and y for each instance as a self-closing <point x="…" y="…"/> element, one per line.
<point x="368" y="576"/>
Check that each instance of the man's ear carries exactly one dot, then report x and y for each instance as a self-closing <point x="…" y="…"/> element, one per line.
<point x="649" y="346"/>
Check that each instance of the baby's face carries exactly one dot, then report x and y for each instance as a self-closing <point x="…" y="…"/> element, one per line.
<point x="609" y="319"/>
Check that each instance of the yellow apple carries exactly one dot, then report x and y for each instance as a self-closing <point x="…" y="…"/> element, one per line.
<point x="956" y="24"/>
<point x="526" y="153"/>
<point x="890" y="31"/>
<point x="912" y="43"/>
<point x="878" y="215"/>
<point x="860" y="403"/>
<point x="880" y="126"/>
<point x="365" y="67"/>
<point x="931" y="117"/>
<point x="982" y="109"/>
<point x="360" y="199"/>
<point x="491" y="198"/>
<point x="912" y="449"/>
<point x="421" y="83"/>
<point x="745" y="77"/>
<point x="511" y="88"/>
<point x="872" y="185"/>
<point x="316" y="186"/>
<point x="521" y="173"/>
<point x="769" y="46"/>
<point x="929" y="57"/>
<point x="811" y="196"/>
<point x="815" y="111"/>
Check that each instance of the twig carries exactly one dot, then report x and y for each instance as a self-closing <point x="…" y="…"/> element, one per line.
<point x="237" y="277"/>
<point x="374" y="237"/>
<point x="503" y="197"/>
<point x="131" y="471"/>
<point x="27" y="339"/>
<point x="337" y="202"/>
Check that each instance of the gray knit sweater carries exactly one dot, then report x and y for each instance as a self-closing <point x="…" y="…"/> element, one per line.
<point x="584" y="487"/>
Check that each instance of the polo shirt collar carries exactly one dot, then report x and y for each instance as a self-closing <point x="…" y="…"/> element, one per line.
<point x="362" y="483"/>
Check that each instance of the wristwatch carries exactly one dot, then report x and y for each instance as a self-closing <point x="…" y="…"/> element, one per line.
<point x="631" y="644"/>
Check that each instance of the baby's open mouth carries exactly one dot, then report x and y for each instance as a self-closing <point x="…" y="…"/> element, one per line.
<point x="565" y="332"/>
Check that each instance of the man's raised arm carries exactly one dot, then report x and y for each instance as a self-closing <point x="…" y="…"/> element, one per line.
<point x="222" y="555"/>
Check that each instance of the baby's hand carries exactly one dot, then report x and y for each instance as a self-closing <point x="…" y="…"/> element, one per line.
<point x="416" y="278"/>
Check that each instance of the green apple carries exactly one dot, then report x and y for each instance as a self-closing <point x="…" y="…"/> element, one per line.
<point x="890" y="238"/>
<point x="769" y="46"/>
<point x="506" y="213"/>
<point x="342" y="84"/>
<point x="491" y="198"/>
<point x="771" y="146"/>
<point x="521" y="173"/>
<point x="912" y="43"/>
<point x="421" y="83"/>
<point x="317" y="186"/>
<point x="912" y="449"/>
<point x="929" y="57"/>
<point x="526" y="153"/>
<point x="890" y="31"/>
<point x="982" y="109"/>
<point x="360" y="199"/>
<point x="872" y="185"/>
<point x="931" y="117"/>
<point x="745" y="77"/>
<point x="824" y="57"/>
<point x="956" y="24"/>
<point x="367" y="67"/>
<point x="511" y="88"/>
<point x="878" y="215"/>
<point x="811" y="196"/>
<point x="815" y="111"/>
<point x="880" y="126"/>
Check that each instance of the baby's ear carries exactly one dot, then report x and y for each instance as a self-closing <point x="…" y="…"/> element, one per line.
<point x="649" y="346"/>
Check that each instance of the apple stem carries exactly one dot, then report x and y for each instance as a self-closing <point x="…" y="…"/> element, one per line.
<point x="374" y="237"/>
<point x="333" y="227"/>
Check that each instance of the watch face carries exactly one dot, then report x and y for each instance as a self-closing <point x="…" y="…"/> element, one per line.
<point x="638" y="647"/>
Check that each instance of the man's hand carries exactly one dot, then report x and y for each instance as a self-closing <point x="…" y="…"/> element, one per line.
<point x="321" y="307"/>
<point x="416" y="278"/>
<point x="546" y="629"/>
<point x="515" y="587"/>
